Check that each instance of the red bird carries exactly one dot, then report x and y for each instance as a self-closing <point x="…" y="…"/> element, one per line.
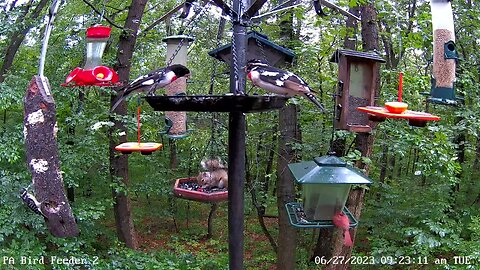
<point x="341" y="221"/>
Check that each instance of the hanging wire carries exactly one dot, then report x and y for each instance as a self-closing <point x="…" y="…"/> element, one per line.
<point x="51" y="16"/>
<point x="138" y="119"/>
<point x="102" y="15"/>
<point x="188" y="29"/>
<point x="332" y="138"/>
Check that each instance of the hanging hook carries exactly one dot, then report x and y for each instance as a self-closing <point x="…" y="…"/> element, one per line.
<point x="51" y="16"/>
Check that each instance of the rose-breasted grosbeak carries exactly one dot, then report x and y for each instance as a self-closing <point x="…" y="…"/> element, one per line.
<point x="279" y="81"/>
<point x="152" y="81"/>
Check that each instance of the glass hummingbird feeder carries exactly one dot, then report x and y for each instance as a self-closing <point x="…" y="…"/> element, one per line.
<point x="326" y="182"/>
<point x="93" y="72"/>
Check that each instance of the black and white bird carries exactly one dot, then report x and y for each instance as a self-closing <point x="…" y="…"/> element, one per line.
<point x="279" y="81"/>
<point x="31" y="202"/>
<point x="152" y="81"/>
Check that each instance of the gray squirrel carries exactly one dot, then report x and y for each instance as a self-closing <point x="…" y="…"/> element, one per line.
<point x="216" y="174"/>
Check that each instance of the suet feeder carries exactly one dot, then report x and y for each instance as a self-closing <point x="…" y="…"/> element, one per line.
<point x="258" y="47"/>
<point x="444" y="54"/>
<point x="326" y="182"/>
<point x="93" y="72"/>
<point x="356" y="88"/>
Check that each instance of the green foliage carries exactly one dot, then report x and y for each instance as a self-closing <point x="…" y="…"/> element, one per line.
<point x="423" y="200"/>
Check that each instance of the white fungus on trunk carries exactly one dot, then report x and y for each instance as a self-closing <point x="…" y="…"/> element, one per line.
<point x="35" y="117"/>
<point x="39" y="165"/>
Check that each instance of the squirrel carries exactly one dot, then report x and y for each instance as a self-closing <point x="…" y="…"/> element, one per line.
<point x="216" y="174"/>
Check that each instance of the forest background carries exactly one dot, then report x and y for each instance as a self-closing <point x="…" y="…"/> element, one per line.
<point x="423" y="203"/>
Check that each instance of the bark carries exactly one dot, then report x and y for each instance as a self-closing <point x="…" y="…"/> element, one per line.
<point x="258" y="206"/>
<point x="328" y="241"/>
<point x="43" y="159"/>
<point x="285" y="187"/>
<point x="289" y="132"/>
<point x="18" y="36"/>
<point x="118" y="133"/>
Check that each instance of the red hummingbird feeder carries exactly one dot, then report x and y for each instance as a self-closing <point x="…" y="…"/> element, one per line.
<point x="93" y="73"/>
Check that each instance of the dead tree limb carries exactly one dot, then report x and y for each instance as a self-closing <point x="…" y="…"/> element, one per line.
<point x="43" y="159"/>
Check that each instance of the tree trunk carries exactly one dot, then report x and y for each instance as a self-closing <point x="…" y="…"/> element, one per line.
<point x="118" y="133"/>
<point x="329" y="243"/>
<point x="43" y="159"/>
<point x="17" y="38"/>
<point x="285" y="187"/>
<point x="363" y="141"/>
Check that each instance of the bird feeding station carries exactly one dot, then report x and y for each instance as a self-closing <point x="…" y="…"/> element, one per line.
<point x="93" y="72"/>
<point x="187" y="188"/>
<point x="258" y="47"/>
<point x="144" y="148"/>
<point x="326" y="182"/>
<point x="356" y="88"/>
<point x="444" y="54"/>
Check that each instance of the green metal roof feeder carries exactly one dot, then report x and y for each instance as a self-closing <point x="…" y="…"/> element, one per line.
<point x="326" y="182"/>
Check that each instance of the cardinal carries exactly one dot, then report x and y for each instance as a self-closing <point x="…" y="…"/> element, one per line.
<point x="341" y="221"/>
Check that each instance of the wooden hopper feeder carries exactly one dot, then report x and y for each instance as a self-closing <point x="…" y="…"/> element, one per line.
<point x="259" y="47"/>
<point x="356" y="82"/>
<point x="197" y="194"/>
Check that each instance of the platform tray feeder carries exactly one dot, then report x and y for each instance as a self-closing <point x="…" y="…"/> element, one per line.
<point x="187" y="188"/>
<point x="297" y="217"/>
<point x="415" y="118"/>
<point x="217" y="103"/>
<point x="143" y="148"/>
<point x="326" y="183"/>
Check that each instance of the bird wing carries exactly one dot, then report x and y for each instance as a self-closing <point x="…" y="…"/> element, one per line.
<point x="283" y="78"/>
<point x="143" y="81"/>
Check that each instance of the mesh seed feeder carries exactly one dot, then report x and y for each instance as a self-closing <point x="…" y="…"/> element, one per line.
<point x="176" y="121"/>
<point x="93" y="72"/>
<point x="444" y="54"/>
<point x="326" y="182"/>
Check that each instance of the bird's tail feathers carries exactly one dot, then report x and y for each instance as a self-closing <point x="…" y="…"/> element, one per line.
<point x="315" y="101"/>
<point x="347" y="238"/>
<point x="119" y="100"/>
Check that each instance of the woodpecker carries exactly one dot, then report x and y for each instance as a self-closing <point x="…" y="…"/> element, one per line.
<point x="31" y="202"/>
<point x="279" y="81"/>
<point x="152" y="81"/>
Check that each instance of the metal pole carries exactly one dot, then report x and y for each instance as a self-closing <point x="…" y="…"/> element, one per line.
<point x="236" y="143"/>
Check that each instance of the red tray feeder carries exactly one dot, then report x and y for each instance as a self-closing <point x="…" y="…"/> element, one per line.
<point x="197" y="195"/>
<point x="398" y="110"/>
<point x="144" y="148"/>
<point x="415" y="118"/>
<point x="93" y="72"/>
